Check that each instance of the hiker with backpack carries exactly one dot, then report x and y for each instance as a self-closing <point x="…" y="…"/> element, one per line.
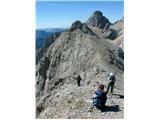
<point x="111" y="80"/>
<point x="100" y="97"/>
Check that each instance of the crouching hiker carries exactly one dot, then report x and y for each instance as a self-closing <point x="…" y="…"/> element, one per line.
<point x="100" y="97"/>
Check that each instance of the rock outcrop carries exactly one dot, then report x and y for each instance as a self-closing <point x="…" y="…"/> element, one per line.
<point x="98" y="20"/>
<point x="83" y="50"/>
<point x="81" y="26"/>
<point x="42" y="51"/>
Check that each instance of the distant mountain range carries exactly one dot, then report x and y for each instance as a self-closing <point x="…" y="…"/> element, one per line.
<point x="43" y="34"/>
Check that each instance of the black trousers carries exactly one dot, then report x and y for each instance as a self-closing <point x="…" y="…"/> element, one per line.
<point x="110" y="86"/>
<point x="78" y="82"/>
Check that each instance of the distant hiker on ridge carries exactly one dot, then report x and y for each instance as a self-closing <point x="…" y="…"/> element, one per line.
<point x="111" y="80"/>
<point x="78" y="79"/>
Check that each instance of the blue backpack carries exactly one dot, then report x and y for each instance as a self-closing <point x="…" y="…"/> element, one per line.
<point x="99" y="99"/>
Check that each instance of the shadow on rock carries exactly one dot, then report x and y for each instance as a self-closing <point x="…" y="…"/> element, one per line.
<point x="119" y="95"/>
<point x="113" y="108"/>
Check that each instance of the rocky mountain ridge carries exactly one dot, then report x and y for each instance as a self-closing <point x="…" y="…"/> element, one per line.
<point x="42" y="34"/>
<point x="92" y="50"/>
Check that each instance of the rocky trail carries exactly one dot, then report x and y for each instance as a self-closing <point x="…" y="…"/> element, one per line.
<point x="73" y="101"/>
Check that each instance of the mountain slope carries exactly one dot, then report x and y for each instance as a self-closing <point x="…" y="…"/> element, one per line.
<point x="83" y="50"/>
<point x="43" y="34"/>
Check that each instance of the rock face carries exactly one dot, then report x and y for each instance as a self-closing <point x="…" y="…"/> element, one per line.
<point x="98" y="20"/>
<point x="85" y="51"/>
<point x="81" y="26"/>
<point x="118" y="26"/>
<point x="41" y="51"/>
<point x="76" y="25"/>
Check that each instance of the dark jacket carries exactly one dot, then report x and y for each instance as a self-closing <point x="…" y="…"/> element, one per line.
<point x="100" y="98"/>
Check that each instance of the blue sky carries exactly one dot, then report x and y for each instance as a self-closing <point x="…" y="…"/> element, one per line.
<point x="62" y="14"/>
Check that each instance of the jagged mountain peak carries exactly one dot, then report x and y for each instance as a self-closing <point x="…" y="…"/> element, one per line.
<point x="98" y="20"/>
<point x="81" y="26"/>
<point x="76" y="25"/>
<point x="98" y="13"/>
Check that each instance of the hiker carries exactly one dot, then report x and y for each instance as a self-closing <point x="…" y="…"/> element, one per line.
<point x="111" y="80"/>
<point x="78" y="79"/>
<point x="100" y="97"/>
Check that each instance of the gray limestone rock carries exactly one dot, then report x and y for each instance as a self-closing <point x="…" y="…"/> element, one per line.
<point x="98" y="20"/>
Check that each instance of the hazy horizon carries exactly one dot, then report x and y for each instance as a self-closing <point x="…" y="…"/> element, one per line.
<point x="52" y="28"/>
<point x="61" y="14"/>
